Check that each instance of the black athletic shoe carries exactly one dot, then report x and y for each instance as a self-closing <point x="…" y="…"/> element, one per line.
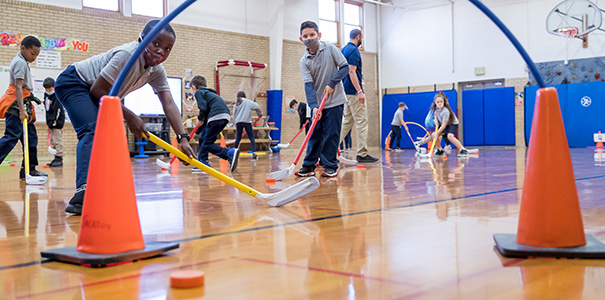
<point x="76" y="202"/>
<point x="463" y="152"/>
<point x="439" y="152"/>
<point x="57" y="162"/>
<point x="305" y="172"/>
<point x="366" y="159"/>
<point x="329" y="173"/>
<point x="32" y="172"/>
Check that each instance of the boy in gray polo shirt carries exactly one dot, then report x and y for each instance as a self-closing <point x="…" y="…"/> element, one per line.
<point x="241" y="118"/>
<point x="322" y="68"/>
<point x="15" y="106"/>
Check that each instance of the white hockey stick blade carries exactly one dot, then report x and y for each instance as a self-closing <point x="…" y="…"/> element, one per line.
<point x="290" y="194"/>
<point x="162" y="164"/>
<point x="52" y="151"/>
<point x="35" y="179"/>
<point x="281" y="174"/>
<point x="346" y="161"/>
<point x="472" y="150"/>
<point x="283" y="146"/>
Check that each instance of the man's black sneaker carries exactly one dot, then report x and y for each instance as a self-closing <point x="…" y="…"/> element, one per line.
<point x="305" y="172"/>
<point x="57" y="162"/>
<point x="366" y="159"/>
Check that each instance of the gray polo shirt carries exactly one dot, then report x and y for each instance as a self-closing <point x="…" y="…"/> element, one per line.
<point x="319" y="68"/>
<point x="109" y="64"/>
<point x="397" y="118"/>
<point x="19" y="69"/>
<point x="443" y="116"/>
<point x="241" y="112"/>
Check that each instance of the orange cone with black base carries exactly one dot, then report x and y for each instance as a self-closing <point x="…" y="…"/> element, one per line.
<point x="110" y="219"/>
<point x="110" y="231"/>
<point x="550" y="220"/>
<point x="550" y="212"/>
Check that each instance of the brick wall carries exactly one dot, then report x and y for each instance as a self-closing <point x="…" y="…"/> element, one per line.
<point x="195" y="48"/>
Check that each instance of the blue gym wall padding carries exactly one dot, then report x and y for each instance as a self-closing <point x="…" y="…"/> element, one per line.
<point x="499" y="116"/>
<point x="584" y="121"/>
<point x="472" y="118"/>
<point x="274" y="110"/>
<point x="418" y="106"/>
<point x="530" y="102"/>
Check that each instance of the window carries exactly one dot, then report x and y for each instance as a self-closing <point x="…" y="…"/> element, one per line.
<point x="111" y="5"/>
<point x="353" y="13"/>
<point x="150" y="8"/>
<point x="328" y="20"/>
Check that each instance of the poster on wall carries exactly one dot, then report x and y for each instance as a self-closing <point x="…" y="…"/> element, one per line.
<point x="57" y="44"/>
<point x="49" y="60"/>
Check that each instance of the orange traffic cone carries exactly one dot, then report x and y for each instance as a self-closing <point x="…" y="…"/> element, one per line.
<point x="550" y="216"/>
<point x="550" y="212"/>
<point x="110" y="221"/>
<point x="387" y="142"/>
<point x="223" y="141"/>
<point x="599" y="144"/>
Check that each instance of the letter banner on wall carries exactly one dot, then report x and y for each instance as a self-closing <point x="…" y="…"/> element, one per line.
<point x="56" y="44"/>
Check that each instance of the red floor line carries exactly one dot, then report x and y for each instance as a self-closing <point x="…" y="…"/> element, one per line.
<point x="360" y="276"/>
<point x="507" y="263"/>
<point x="118" y="279"/>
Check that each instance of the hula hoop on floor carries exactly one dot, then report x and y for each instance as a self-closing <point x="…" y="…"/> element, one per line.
<point x="414" y="123"/>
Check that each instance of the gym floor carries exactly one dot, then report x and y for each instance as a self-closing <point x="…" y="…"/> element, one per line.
<point x="403" y="228"/>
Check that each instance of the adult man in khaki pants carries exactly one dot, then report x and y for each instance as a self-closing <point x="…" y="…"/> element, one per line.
<point x="355" y="111"/>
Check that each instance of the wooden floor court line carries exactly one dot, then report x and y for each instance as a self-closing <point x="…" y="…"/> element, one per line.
<point x="2" y="268"/>
<point x="121" y="278"/>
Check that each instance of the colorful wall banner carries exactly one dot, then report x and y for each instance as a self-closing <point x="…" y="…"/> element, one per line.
<point x="58" y="44"/>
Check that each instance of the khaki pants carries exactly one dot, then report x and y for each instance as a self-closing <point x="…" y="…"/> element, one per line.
<point x="56" y="141"/>
<point x="356" y="114"/>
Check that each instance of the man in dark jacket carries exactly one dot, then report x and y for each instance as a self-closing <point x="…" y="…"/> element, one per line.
<point x="55" y="119"/>
<point x="214" y="115"/>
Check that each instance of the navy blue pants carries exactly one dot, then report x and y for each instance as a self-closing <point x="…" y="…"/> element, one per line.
<point x="208" y="138"/>
<point x="323" y="143"/>
<point x="82" y="109"/>
<point x="13" y="133"/>
<point x="395" y="136"/>
<point x="239" y="129"/>
<point x="347" y="143"/>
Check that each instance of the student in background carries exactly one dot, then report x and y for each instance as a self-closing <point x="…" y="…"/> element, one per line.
<point x="214" y="115"/>
<point x="242" y="119"/>
<point x="396" y="127"/>
<point x="447" y="122"/>
<point x="55" y="119"/>
<point x="304" y="113"/>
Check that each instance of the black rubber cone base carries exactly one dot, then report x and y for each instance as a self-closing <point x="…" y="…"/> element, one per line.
<point x="508" y="246"/>
<point x="71" y="255"/>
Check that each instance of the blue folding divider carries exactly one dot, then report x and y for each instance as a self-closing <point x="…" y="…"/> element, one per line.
<point x="274" y="109"/>
<point x="584" y="113"/>
<point x="499" y="116"/>
<point x="530" y="102"/>
<point x="472" y="117"/>
<point x="418" y="106"/>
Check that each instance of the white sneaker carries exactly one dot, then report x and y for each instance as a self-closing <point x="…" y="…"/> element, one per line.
<point x="417" y="146"/>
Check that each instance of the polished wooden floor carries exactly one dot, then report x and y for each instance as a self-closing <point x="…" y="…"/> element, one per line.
<point x="399" y="229"/>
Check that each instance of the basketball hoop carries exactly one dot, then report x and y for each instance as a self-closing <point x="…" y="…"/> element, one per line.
<point x="568" y="32"/>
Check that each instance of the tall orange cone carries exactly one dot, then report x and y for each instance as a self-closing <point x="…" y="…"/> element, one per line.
<point x="110" y="230"/>
<point x="223" y="141"/>
<point x="110" y="219"/>
<point x="550" y="221"/>
<point x="550" y="212"/>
